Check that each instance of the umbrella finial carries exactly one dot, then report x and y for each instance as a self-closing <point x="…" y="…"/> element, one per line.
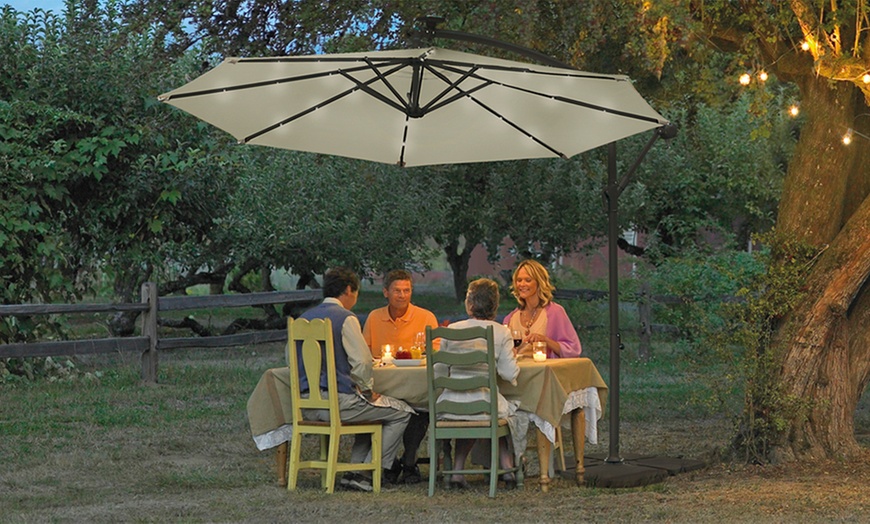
<point x="668" y="131"/>
<point x="424" y="29"/>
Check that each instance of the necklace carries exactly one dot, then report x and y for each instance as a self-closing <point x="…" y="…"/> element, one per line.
<point x="532" y="320"/>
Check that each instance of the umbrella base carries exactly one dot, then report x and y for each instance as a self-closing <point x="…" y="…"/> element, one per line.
<point x="635" y="470"/>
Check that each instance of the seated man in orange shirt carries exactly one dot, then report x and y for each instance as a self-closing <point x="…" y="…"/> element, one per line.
<point x="397" y="324"/>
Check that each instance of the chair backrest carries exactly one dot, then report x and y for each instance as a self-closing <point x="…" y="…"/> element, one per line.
<point x="309" y="343"/>
<point x="473" y="362"/>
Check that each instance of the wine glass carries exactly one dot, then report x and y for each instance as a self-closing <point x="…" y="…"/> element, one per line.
<point x="420" y="341"/>
<point x="517" y="335"/>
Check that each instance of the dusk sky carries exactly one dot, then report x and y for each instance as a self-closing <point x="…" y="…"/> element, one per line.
<point x="27" y="5"/>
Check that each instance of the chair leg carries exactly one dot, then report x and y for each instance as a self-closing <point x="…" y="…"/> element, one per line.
<point x="295" y="455"/>
<point x="331" y="462"/>
<point x="281" y="463"/>
<point x="433" y="461"/>
<point x="323" y="454"/>
<point x="494" y="463"/>
<point x="377" y="460"/>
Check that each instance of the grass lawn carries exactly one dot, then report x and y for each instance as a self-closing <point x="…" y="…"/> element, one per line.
<point x="112" y="450"/>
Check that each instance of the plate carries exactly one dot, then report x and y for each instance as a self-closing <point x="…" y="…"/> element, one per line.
<point x="408" y="362"/>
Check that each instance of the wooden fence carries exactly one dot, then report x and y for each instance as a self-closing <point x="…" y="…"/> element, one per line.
<point x="644" y="300"/>
<point x="148" y="344"/>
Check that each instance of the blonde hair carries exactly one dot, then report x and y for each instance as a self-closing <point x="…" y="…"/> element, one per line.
<point x="540" y="275"/>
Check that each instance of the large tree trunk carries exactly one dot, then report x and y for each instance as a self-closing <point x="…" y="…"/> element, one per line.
<point x="824" y="342"/>
<point x="458" y="260"/>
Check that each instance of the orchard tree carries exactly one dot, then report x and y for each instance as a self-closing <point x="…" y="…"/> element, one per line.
<point x="549" y="207"/>
<point x="306" y="212"/>
<point x="110" y="185"/>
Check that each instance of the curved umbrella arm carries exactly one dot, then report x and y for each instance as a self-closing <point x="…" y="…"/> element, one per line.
<point x="430" y="32"/>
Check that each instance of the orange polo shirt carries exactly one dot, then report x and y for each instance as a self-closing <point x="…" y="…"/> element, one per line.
<point x="380" y="329"/>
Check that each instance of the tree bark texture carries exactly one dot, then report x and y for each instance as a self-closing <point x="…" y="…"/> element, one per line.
<point x="458" y="260"/>
<point x="825" y="341"/>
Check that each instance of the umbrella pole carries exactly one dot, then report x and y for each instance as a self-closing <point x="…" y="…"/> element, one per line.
<point x="612" y="196"/>
<point x="616" y="472"/>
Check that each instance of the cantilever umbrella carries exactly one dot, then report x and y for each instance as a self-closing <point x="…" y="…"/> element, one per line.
<point x="416" y="106"/>
<point x="432" y="106"/>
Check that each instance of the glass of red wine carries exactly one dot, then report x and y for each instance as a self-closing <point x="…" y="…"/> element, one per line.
<point x="517" y="335"/>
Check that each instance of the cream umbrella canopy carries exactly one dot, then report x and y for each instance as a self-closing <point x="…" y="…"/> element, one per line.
<point x="416" y="107"/>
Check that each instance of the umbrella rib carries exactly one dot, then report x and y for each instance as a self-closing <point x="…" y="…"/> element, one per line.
<point x="518" y="128"/>
<point x="252" y="85"/>
<point x="359" y="86"/>
<point x="432" y="105"/>
<point x="383" y="78"/>
<point x="462" y="93"/>
<point x="587" y="105"/>
<point x="448" y="64"/>
<point x="559" y="98"/>
<point x="276" y="81"/>
<point x="401" y="162"/>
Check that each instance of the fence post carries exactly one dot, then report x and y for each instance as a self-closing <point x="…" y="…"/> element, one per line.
<point x="645" y="312"/>
<point x="149" y="329"/>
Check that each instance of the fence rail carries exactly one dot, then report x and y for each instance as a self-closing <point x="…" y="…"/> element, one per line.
<point x="149" y="344"/>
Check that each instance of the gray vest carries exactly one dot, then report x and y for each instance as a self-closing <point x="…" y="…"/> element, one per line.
<point x="337" y="315"/>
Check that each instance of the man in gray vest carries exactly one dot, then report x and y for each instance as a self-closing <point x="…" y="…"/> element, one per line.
<point x="353" y="363"/>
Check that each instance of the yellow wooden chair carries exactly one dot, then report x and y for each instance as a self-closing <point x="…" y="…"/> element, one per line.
<point x="314" y="337"/>
<point x="491" y="429"/>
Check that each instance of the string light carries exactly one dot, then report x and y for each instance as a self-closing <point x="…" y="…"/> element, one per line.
<point x="850" y="133"/>
<point x="866" y="78"/>
<point x="745" y="79"/>
<point x="805" y="45"/>
<point x="762" y="76"/>
<point x="794" y="110"/>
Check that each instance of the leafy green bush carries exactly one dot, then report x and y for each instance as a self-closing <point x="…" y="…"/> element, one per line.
<point x="704" y="284"/>
<point x="14" y="370"/>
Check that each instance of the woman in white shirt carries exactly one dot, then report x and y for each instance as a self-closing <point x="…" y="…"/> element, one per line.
<point x="481" y="304"/>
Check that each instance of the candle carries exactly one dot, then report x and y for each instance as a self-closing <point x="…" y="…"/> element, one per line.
<point x="386" y="354"/>
<point x="539" y="356"/>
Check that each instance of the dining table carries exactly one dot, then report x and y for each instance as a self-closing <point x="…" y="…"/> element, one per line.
<point x="555" y="393"/>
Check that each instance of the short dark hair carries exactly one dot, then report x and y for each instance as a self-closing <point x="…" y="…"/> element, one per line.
<point x="336" y="280"/>
<point x="481" y="299"/>
<point x="397" y="274"/>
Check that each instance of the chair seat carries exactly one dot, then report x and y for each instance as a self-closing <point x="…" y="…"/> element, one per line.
<point x="468" y="423"/>
<point x="321" y="423"/>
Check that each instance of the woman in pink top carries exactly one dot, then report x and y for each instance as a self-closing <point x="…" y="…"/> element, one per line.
<point x="538" y="318"/>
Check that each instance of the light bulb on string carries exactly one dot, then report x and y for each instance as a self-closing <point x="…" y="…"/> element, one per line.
<point x="851" y="133"/>
<point x="866" y="78"/>
<point x="794" y="110"/>
<point x="847" y="138"/>
<point x="805" y="45"/>
<point x="762" y="76"/>
<point x="745" y="78"/>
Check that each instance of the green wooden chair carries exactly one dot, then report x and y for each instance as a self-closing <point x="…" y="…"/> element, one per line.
<point x="315" y="336"/>
<point x="491" y="429"/>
